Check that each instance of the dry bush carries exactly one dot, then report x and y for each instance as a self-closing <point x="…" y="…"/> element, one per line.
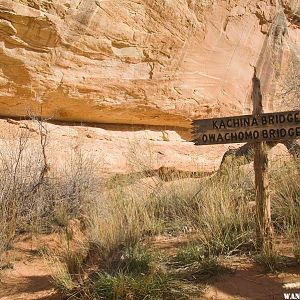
<point x="22" y="172"/>
<point x="33" y="198"/>
<point x="140" y="156"/>
<point x="71" y="186"/>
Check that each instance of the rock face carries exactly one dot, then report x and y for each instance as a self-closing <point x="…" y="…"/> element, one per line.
<point x="147" y="62"/>
<point x="113" y="149"/>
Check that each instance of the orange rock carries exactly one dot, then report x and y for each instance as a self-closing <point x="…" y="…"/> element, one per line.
<point x="151" y="63"/>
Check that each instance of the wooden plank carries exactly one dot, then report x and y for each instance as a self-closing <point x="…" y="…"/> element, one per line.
<point x="254" y="121"/>
<point x="242" y="129"/>
<point x="196" y="130"/>
<point x="246" y="136"/>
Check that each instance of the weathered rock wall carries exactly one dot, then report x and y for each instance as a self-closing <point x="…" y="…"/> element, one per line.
<point x="113" y="148"/>
<point x="152" y="62"/>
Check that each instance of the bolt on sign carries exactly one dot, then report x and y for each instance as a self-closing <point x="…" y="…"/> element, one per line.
<point x="248" y="128"/>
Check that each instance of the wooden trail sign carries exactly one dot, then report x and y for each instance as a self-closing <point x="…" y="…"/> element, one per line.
<point x="248" y="128"/>
<point x="256" y="129"/>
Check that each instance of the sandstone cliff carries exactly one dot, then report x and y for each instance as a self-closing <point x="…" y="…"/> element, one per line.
<point x="130" y="62"/>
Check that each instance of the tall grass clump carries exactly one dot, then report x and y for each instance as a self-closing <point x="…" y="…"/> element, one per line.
<point x="136" y="275"/>
<point x="286" y="201"/>
<point x="117" y="222"/>
<point x="226" y="222"/>
<point x="127" y="286"/>
<point x="286" y="194"/>
<point x="127" y="273"/>
<point x="216" y="208"/>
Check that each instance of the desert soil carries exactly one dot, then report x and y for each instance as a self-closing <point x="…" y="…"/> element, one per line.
<point x="29" y="278"/>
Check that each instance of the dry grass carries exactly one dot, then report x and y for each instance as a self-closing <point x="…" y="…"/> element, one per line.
<point x="117" y="222"/>
<point x="218" y="210"/>
<point x="286" y="201"/>
<point x="112" y="263"/>
<point x="122" y="219"/>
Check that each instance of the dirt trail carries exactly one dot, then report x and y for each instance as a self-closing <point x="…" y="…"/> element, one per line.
<point x="250" y="283"/>
<point x="29" y="278"/>
<point x="248" y="280"/>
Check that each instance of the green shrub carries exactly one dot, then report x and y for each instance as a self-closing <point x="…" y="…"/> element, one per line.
<point x="157" y="286"/>
<point x="138" y="261"/>
<point x="189" y="255"/>
<point x="270" y="260"/>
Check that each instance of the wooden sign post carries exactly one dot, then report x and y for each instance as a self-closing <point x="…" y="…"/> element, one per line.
<point x="264" y="232"/>
<point x="257" y="129"/>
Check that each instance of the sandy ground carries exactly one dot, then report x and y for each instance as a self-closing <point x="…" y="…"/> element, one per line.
<point x="29" y="279"/>
<point x="249" y="282"/>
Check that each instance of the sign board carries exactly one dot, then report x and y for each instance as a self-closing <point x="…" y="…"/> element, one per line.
<point x="248" y="128"/>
